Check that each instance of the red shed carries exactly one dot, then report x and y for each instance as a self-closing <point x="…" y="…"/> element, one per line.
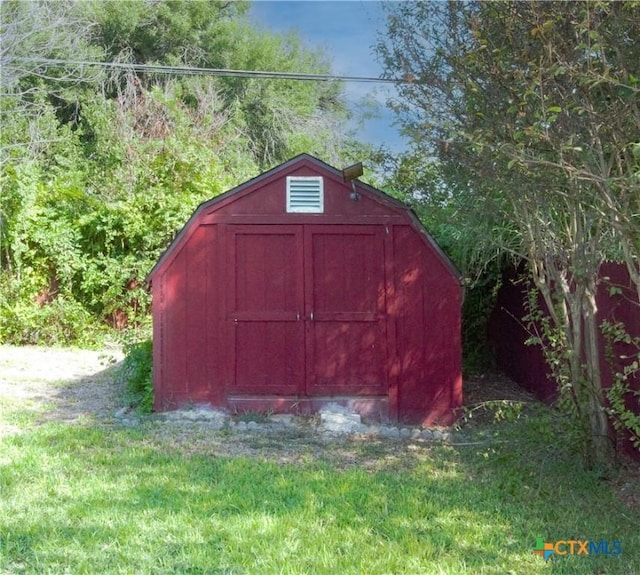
<point x="296" y="289"/>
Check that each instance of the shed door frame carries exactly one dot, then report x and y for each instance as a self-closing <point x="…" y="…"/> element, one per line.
<point x="318" y="370"/>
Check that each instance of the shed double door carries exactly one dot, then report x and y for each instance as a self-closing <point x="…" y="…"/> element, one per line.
<point x="306" y="310"/>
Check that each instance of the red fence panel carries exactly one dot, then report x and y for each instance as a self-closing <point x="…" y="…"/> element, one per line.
<point x="616" y="300"/>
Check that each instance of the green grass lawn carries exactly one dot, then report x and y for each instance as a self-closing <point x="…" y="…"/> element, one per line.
<point x="89" y="499"/>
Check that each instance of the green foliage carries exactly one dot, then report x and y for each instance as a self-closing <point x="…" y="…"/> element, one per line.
<point x="137" y="374"/>
<point x="99" y="171"/>
<point x="170" y="32"/>
<point x="63" y="321"/>
<point x="624" y="367"/>
<point x="498" y="410"/>
<point x="552" y="340"/>
<point x="479" y="302"/>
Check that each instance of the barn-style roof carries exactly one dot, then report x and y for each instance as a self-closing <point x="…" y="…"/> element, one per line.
<point x="302" y="160"/>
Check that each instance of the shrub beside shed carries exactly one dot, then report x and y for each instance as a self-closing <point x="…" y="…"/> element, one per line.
<point x="296" y="289"/>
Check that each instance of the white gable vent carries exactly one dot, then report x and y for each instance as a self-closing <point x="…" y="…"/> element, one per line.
<point x="305" y="194"/>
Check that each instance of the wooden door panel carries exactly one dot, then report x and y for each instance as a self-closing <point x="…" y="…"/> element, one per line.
<point x="265" y="309"/>
<point x="267" y="271"/>
<point x="347" y="268"/>
<point x="345" y="310"/>
<point x="269" y="357"/>
<point x="347" y="358"/>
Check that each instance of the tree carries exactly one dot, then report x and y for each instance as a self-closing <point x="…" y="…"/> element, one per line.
<point x="30" y="33"/>
<point x="277" y="118"/>
<point x="535" y="105"/>
<point x="168" y="32"/>
<point x="101" y="168"/>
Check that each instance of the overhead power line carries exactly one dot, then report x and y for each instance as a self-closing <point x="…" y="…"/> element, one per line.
<point x="188" y="70"/>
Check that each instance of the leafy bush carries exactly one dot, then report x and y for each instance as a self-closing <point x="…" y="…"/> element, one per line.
<point x="136" y="372"/>
<point x="479" y="301"/>
<point x="62" y="321"/>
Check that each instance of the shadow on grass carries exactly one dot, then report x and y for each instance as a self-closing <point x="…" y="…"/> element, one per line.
<point x="89" y="398"/>
<point x="102" y="500"/>
<point x="188" y="499"/>
<point x="106" y="501"/>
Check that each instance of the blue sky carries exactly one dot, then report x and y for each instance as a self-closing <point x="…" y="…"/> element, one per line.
<point x="347" y="31"/>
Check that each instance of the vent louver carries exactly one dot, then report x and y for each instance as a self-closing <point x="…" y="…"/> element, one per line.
<point x="305" y="194"/>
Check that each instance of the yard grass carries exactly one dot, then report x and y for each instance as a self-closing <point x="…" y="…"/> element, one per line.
<point x="89" y="499"/>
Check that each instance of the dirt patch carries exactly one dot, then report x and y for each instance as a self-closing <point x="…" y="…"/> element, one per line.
<point x="60" y="384"/>
<point x="479" y="389"/>
<point x="82" y="383"/>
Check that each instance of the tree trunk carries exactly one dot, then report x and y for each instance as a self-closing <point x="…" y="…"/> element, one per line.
<point x="633" y="265"/>
<point x="578" y="321"/>
<point x="601" y="447"/>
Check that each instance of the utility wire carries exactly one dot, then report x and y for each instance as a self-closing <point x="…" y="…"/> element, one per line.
<point x="187" y="70"/>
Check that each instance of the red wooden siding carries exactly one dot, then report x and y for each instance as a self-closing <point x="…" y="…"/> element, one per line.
<point x="254" y="307"/>
<point x="427" y="323"/>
